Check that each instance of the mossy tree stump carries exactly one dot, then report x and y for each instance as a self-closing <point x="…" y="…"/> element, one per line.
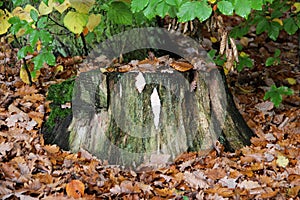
<point x="115" y="121"/>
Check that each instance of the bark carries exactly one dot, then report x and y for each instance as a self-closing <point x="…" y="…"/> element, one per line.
<point x="116" y="123"/>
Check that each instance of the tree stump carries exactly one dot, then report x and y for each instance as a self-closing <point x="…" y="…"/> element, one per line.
<point x="123" y="123"/>
<point x="153" y="115"/>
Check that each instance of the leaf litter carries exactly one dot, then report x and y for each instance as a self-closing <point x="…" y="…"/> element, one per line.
<point x="267" y="169"/>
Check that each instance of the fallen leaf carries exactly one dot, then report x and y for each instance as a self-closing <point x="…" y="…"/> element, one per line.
<point x="75" y="189"/>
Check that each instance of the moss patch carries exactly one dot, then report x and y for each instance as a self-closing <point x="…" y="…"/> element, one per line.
<point x="57" y="123"/>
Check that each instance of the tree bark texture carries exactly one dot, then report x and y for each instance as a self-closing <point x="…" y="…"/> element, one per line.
<point x="115" y="121"/>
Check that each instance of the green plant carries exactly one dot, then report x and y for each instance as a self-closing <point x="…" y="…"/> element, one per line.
<point x="275" y="94"/>
<point x="271" y="17"/>
<point x="274" y="60"/>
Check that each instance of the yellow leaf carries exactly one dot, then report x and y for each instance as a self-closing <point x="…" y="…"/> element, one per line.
<point x="59" y="68"/>
<point x="19" y="12"/>
<point x="75" y="21"/>
<point x="82" y="6"/>
<point x="297" y="6"/>
<point x="38" y="45"/>
<point x="44" y="9"/>
<point x="24" y="76"/>
<point x="29" y="7"/>
<point x="62" y="7"/>
<point x="279" y="21"/>
<point x="94" y="20"/>
<point x="212" y="1"/>
<point x="282" y="161"/>
<point x="213" y="39"/>
<point x="243" y="54"/>
<point x="4" y="17"/>
<point x="291" y="81"/>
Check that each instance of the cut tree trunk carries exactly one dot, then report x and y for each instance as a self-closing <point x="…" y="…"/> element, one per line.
<point x="117" y="118"/>
<point x="130" y="118"/>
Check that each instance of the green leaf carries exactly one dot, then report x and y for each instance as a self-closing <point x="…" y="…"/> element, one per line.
<point x="273" y="30"/>
<point x="190" y="10"/>
<point x="40" y="59"/>
<point x="238" y="32"/>
<point x="212" y="53"/>
<point x="119" y="13"/>
<point x="204" y="11"/>
<point x="270" y="61"/>
<point x="225" y="7"/>
<point x="22" y="53"/>
<point x="176" y="3"/>
<point x="149" y="10"/>
<point x="290" y="26"/>
<point x="275" y="94"/>
<point x="257" y="4"/>
<point x="49" y="58"/>
<point x="45" y="37"/>
<point x="34" y="37"/>
<point x="262" y="26"/>
<point x="34" y="15"/>
<point x="46" y="2"/>
<point x="277" y="53"/>
<point x="244" y="62"/>
<point x="243" y="8"/>
<point x="17" y="2"/>
<point x="42" y="23"/>
<point x="138" y="5"/>
<point x="162" y="9"/>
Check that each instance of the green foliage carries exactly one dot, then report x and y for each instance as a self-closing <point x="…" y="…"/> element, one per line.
<point x="274" y="60"/>
<point x="244" y="61"/>
<point x="275" y="94"/>
<point x="275" y="16"/>
<point x="216" y="58"/>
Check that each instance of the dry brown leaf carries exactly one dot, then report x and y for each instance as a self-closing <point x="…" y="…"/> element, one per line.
<point x="181" y="66"/>
<point x="75" y="189"/>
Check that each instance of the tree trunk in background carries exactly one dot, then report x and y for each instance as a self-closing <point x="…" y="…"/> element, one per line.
<point x="115" y="121"/>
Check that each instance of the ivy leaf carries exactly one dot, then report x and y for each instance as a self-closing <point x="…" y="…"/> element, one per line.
<point x="290" y="26"/>
<point x="243" y="8"/>
<point x="138" y="5"/>
<point x="22" y="53"/>
<point x="120" y="13"/>
<point x="225" y="7"/>
<point x="162" y="9"/>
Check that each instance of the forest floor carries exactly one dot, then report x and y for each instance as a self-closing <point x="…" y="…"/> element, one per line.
<point x="267" y="169"/>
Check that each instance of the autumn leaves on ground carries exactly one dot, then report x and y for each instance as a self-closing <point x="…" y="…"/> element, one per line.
<point x="268" y="169"/>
